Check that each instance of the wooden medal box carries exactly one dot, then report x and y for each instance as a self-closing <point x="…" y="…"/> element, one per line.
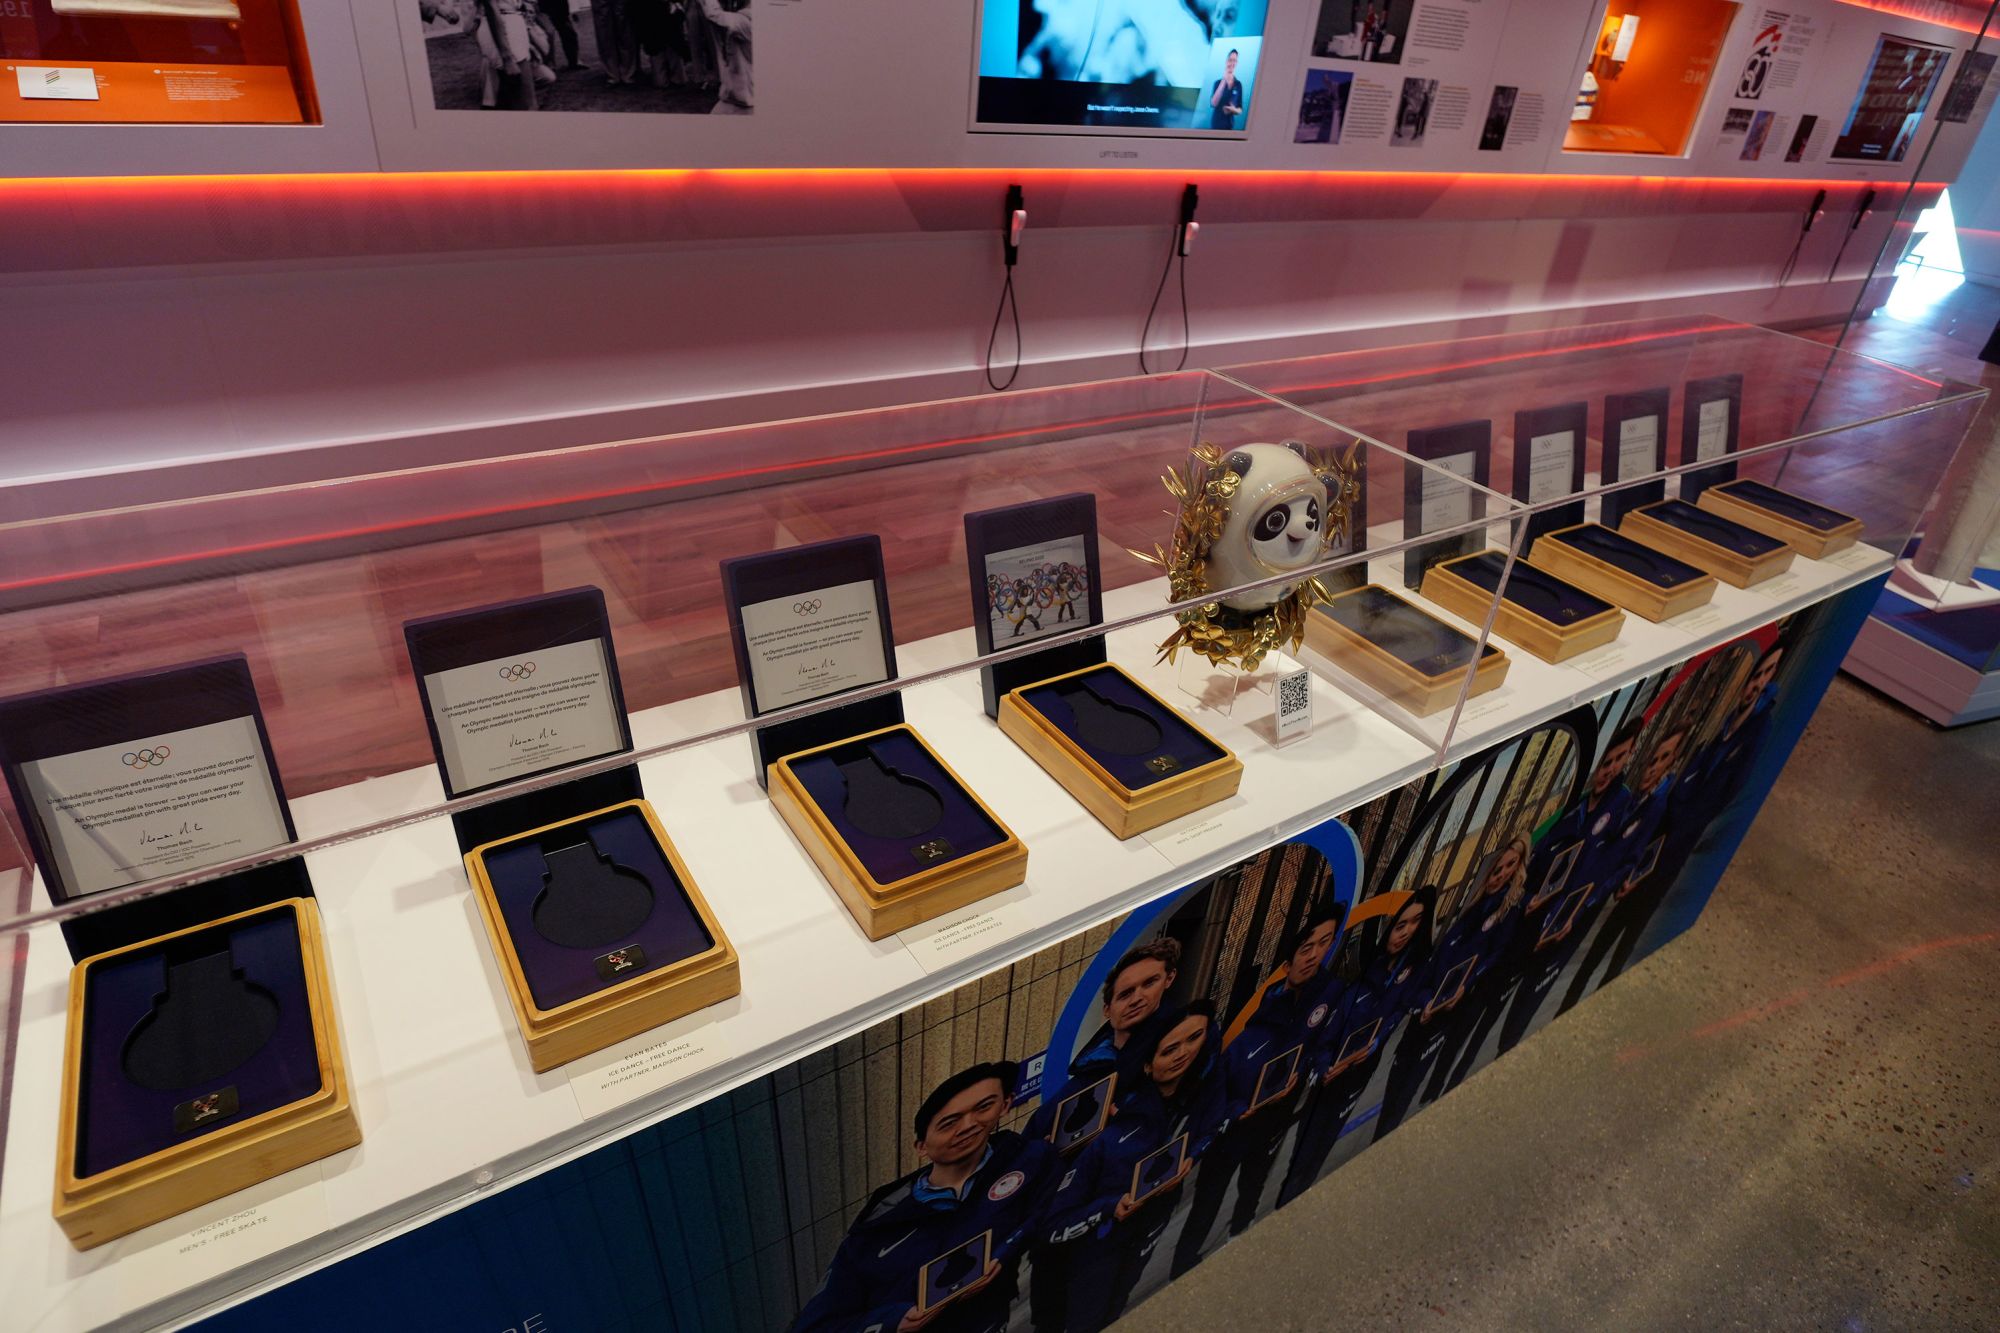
<point x="1402" y="650"/>
<point x="1738" y="555"/>
<point x="891" y="880"/>
<point x="1607" y="564"/>
<point x="1568" y="622"/>
<point x="104" y="1113"/>
<point x="1813" y="530"/>
<point x="1183" y="769"/>
<point x="571" y="997"/>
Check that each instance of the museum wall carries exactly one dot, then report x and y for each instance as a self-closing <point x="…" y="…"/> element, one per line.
<point x="410" y="281"/>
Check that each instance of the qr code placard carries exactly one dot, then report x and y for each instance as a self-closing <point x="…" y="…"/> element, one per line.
<point x="1294" y="705"/>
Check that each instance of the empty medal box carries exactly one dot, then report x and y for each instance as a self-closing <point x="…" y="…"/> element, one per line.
<point x="1127" y="757"/>
<point x="197" y="1063"/>
<point x="1552" y="619"/>
<point x="1736" y="554"/>
<point x="896" y="833"/>
<point x="1813" y="530"/>
<point x="1401" y="649"/>
<point x="1644" y="581"/>
<point x="600" y="931"/>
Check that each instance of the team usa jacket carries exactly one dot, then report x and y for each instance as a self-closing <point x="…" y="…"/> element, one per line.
<point x="872" y="1282"/>
<point x="1101" y="1175"/>
<point x="1284" y="1018"/>
<point x="1382" y="992"/>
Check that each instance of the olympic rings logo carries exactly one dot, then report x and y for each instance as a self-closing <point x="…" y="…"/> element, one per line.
<point x="809" y="607"/>
<point x="519" y="671"/>
<point x="148" y="758"/>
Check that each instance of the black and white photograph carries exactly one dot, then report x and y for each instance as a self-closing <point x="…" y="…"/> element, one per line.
<point x="664" y="57"/>
<point x="1413" y="112"/>
<point x="1371" y="30"/>
<point x="1499" y="112"/>
<point x="1323" y="108"/>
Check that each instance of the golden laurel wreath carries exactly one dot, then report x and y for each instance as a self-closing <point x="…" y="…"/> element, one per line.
<point x="1217" y="632"/>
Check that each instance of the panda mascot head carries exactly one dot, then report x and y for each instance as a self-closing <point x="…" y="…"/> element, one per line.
<point x="1276" y="522"/>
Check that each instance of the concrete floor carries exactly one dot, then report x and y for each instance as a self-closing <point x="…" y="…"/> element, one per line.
<point x="1787" y="1118"/>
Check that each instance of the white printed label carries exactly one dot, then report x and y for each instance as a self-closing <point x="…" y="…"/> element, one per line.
<point x="514" y="716"/>
<point x="1551" y="466"/>
<point x="639" y="1067"/>
<point x="1446" y="503"/>
<point x="200" y="1245"/>
<point x="53" y="83"/>
<point x="939" y="943"/>
<point x="1602" y="663"/>
<point x="1638" y="447"/>
<point x="814" y="644"/>
<point x="156" y="806"/>
<point x="1701" y="620"/>
<point x="1858" y="557"/>
<point x="1711" y="439"/>
<point x="1294" y="720"/>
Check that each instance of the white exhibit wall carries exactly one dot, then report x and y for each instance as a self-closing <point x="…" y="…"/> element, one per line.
<point x="170" y="336"/>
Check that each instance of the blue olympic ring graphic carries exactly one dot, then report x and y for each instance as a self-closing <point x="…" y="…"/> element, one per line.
<point x="147" y="758"/>
<point x="518" y="671"/>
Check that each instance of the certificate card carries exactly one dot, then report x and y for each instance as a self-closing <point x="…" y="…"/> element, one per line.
<point x="144" y="776"/>
<point x="158" y="805"/>
<point x="808" y="646"/>
<point x="1081" y="1115"/>
<point x="1711" y="413"/>
<point x="510" y="717"/>
<point x="1548" y="464"/>
<point x="1446" y="494"/>
<point x="953" y="1271"/>
<point x="520" y="688"/>
<point x="1151" y="1173"/>
<point x="1634" y="433"/>
<point x="1551" y="459"/>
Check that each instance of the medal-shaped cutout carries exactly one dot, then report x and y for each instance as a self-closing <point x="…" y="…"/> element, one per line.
<point x="883" y="803"/>
<point x="207" y="1021"/>
<point x="588" y="900"/>
<point x="1110" y="728"/>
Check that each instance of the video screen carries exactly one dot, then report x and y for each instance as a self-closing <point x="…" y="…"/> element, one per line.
<point x="1118" y="66"/>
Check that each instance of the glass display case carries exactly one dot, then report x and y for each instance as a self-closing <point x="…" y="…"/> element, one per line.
<point x="161" y="62"/>
<point x="875" y="703"/>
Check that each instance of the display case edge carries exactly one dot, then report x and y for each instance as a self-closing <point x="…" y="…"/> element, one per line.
<point x="201" y="1170"/>
<point x="1124" y="811"/>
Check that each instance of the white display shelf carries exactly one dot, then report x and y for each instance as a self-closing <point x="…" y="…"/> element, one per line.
<point x="451" y="1109"/>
